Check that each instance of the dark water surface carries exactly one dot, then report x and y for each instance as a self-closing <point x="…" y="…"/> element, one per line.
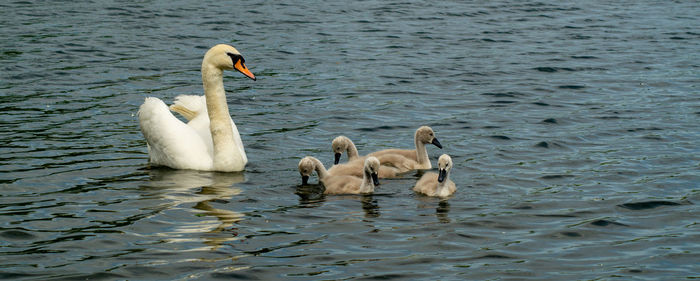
<point x="573" y="126"/>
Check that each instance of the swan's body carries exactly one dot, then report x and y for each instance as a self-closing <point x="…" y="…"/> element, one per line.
<point x="210" y="140"/>
<point x="410" y="159"/>
<point x="440" y="185"/>
<point x="194" y="109"/>
<point x="341" y="184"/>
<point x="355" y="168"/>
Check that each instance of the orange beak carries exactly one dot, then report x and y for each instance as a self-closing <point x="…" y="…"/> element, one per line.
<point x="242" y="69"/>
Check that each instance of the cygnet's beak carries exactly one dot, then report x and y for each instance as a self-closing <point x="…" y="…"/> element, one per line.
<point x="375" y="179"/>
<point x="242" y="69"/>
<point x="304" y="180"/>
<point x="337" y="158"/>
<point x="436" y="143"/>
<point x="442" y="174"/>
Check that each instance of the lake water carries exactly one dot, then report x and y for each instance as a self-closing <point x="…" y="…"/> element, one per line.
<point x="573" y="126"/>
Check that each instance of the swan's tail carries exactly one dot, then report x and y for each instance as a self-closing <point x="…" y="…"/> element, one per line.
<point x="189" y="106"/>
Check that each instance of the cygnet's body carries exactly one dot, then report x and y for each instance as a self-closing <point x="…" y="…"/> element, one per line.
<point x="439" y="185"/>
<point x="355" y="168"/>
<point x="410" y="159"/>
<point x="339" y="183"/>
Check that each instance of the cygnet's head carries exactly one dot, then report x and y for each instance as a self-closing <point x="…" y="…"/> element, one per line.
<point x="372" y="169"/>
<point x="444" y="167"/>
<point x="340" y="144"/>
<point x="306" y="168"/>
<point x="425" y="135"/>
<point x="226" y="57"/>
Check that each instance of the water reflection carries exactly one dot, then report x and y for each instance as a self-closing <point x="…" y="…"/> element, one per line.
<point x="310" y="195"/>
<point x="370" y="206"/>
<point x="203" y="189"/>
<point x="441" y="210"/>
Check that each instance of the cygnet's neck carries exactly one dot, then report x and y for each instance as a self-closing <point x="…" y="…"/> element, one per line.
<point x="422" y="153"/>
<point x="226" y="157"/>
<point x="320" y="169"/>
<point x="367" y="183"/>
<point x="352" y="151"/>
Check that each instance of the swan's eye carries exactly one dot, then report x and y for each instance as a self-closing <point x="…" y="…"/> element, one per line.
<point x="235" y="58"/>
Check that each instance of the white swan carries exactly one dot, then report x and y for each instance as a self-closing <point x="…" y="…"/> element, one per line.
<point x="439" y="185"/>
<point x="410" y="159"/>
<point x="210" y="141"/>
<point x="341" y="184"/>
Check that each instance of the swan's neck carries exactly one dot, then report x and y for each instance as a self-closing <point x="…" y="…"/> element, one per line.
<point x="226" y="156"/>
<point x="443" y="187"/>
<point x="367" y="183"/>
<point x="320" y="169"/>
<point x="352" y="151"/>
<point x="422" y="154"/>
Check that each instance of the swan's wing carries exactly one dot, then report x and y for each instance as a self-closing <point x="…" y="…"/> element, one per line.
<point x="190" y="106"/>
<point x="397" y="161"/>
<point x="200" y="124"/>
<point x="351" y="168"/>
<point x="408" y="153"/>
<point x="426" y="184"/>
<point x="342" y="184"/>
<point x="171" y="142"/>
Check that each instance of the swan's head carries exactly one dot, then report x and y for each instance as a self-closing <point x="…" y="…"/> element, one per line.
<point x="425" y="135"/>
<point x="372" y="169"/>
<point x="444" y="167"/>
<point x="306" y="167"/>
<point x="226" y="57"/>
<point x="340" y="144"/>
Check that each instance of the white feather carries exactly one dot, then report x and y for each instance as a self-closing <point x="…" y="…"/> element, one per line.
<point x="171" y="142"/>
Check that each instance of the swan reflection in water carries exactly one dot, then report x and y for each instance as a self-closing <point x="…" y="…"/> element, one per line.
<point x="441" y="205"/>
<point x="442" y="210"/>
<point x="370" y="206"/>
<point x="183" y="187"/>
<point x="311" y="196"/>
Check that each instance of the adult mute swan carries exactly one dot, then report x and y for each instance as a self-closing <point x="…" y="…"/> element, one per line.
<point x="341" y="184"/>
<point x="210" y="140"/>
<point x="440" y="185"/>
